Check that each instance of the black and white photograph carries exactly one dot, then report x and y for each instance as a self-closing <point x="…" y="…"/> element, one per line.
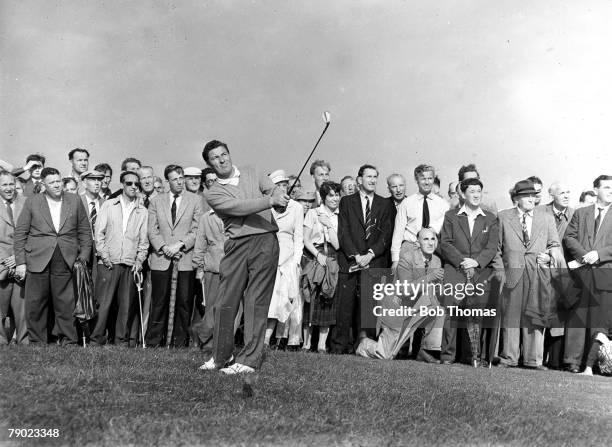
<point x="270" y="223"/>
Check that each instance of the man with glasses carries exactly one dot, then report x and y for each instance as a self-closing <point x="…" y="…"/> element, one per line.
<point x="122" y="244"/>
<point x="172" y="226"/>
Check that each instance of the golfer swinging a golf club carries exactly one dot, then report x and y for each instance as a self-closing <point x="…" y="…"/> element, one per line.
<point x="242" y="199"/>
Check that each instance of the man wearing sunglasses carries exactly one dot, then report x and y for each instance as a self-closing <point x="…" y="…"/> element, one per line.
<point x="122" y="245"/>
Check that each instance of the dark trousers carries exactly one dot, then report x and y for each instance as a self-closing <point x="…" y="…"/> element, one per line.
<point x="160" y="301"/>
<point x="348" y="315"/>
<point x="575" y="335"/>
<point x="115" y="286"/>
<point x="247" y="272"/>
<point x="12" y="305"/>
<point x="53" y="284"/>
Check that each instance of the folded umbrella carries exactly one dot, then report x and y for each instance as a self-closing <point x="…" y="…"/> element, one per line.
<point x="85" y="308"/>
<point x="411" y="324"/>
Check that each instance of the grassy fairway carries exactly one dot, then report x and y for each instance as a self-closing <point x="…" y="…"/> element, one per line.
<point x="117" y="396"/>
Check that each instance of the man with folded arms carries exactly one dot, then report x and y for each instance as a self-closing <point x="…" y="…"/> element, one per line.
<point x="242" y="199"/>
<point x="122" y="244"/>
<point x="52" y="232"/>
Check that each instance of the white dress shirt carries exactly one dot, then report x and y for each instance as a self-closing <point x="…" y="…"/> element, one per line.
<point x="363" y="197"/>
<point x="126" y="210"/>
<point x="604" y="211"/>
<point x="409" y="218"/>
<point x="528" y="219"/>
<point x="178" y="200"/>
<point x="471" y="216"/>
<point x="55" y="208"/>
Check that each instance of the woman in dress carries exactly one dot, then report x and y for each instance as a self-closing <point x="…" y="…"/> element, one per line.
<point x="286" y="304"/>
<point x="321" y="243"/>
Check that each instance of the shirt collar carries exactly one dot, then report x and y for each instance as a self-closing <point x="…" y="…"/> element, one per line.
<point x="558" y="211"/>
<point x="467" y="212"/>
<point x="226" y="181"/>
<point x="364" y="195"/>
<point x="326" y="210"/>
<point x="521" y="212"/>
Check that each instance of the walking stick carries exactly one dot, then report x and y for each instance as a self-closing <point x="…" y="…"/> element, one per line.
<point x="172" y="306"/>
<point x="138" y="281"/>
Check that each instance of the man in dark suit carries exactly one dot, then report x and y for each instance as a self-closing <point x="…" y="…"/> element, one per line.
<point x="11" y="290"/>
<point x="468" y="244"/>
<point x="574" y="337"/>
<point x="172" y="225"/>
<point x="365" y="228"/>
<point x="588" y="239"/>
<point x="52" y="232"/>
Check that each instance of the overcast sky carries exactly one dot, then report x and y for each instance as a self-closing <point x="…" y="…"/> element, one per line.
<point x="519" y="88"/>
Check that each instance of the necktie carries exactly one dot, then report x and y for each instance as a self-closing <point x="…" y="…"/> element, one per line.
<point x="93" y="213"/>
<point x="147" y="200"/>
<point x="426" y="265"/>
<point x="37" y="187"/>
<point x="597" y="222"/>
<point x="368" y="219"/>
<point x="425" y="221"/>
<point x="173" y="209"/>
<point x="525" y="232"/>
<point x="9" y="210"/>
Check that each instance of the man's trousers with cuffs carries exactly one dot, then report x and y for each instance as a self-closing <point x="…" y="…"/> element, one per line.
<point x="54" y="284"/>
<point x="247" y="272"/>
<point x="160" y="301"/>
<point x="116" y="284"/>
<point x="514" y="328"/>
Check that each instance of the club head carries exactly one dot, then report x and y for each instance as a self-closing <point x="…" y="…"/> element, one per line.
<point x="326" y="117"/>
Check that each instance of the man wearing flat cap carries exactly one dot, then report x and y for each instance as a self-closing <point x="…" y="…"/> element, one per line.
<point x="530" y="249"/>
<point x="92" y="182"/>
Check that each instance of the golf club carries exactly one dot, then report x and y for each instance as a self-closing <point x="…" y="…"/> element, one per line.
<point x="138" y="281"/>
<point x="326" y="120"/>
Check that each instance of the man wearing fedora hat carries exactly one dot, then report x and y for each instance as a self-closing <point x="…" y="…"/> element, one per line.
<point x="529" y="246"/>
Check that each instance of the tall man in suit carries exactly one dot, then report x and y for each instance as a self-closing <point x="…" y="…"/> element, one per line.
<point x="173" y="222"/>
<point x="528" y="244"/>
<point x="468" y="244"/>
<point x="574" y="337"/>
<point x="588" y="239"/>
<point x="52" y="232"/>
<point x="11" y="290"/>
<point x="365" y="228"/>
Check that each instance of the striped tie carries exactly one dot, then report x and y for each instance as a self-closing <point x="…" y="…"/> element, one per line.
<point x="93" y="214"/>
<point x="525" y="232"/>
<point x="368" y="219"/>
